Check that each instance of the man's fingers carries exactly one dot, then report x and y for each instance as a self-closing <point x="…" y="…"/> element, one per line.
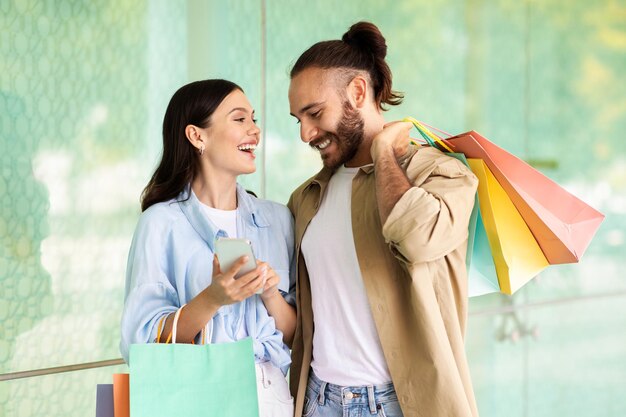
<point x="403" y="126"/>
<point x="398" y="124"/>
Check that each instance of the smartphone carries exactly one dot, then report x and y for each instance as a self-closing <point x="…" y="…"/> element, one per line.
<point x="229" y="250"/>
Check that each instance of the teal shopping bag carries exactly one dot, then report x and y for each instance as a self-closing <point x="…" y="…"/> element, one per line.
<point x="193" y="380"/>
<point x="481" y="269"/>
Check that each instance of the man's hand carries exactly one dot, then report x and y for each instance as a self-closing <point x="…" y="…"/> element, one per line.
<point x="391" y="181"/>
<point x="394" y="137"/>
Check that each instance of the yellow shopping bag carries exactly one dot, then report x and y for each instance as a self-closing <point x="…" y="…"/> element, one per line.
<point x="516" y="254"/>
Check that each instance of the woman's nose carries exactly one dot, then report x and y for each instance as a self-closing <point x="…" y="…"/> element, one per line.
<point x="255" y="130"/>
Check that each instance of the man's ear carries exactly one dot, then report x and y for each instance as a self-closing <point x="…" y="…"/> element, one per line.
<point x="358" y="91"/>
<point x="194" y="137"/>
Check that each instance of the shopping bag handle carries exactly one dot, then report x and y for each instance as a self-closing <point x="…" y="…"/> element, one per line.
<point x="432" y="139"/>
<point x="175" y="324"/>
<point x="161" y="327"/>
<point x="172" y="335"/>
<point x="160" y="330"/>
<point x="438" y="130"/>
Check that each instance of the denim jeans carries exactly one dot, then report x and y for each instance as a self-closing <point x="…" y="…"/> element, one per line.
<point x="328" y="400"/>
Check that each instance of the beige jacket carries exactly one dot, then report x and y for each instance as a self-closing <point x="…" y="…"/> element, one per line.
<point x="414" y="273"/>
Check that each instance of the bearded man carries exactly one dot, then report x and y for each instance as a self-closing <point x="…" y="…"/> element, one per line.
<point x="381" y="236"/>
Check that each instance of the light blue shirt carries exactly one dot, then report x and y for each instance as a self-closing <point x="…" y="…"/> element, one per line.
<point x="171" y="262"/>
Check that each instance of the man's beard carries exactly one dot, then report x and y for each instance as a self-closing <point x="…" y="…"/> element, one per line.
<point x="348" y="138"/>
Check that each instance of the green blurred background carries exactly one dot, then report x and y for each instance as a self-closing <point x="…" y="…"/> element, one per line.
<point x="83" y="89"/>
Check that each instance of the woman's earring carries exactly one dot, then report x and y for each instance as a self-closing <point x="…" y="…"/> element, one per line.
<point x="201" y="149"/>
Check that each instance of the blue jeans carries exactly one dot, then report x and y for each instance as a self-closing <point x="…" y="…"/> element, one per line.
<point x="328" y="400"/>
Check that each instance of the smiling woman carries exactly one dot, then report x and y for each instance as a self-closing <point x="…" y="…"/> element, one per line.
<point x="192" y="110"/>
<point x="231" y="130"/>
<point x="193" y="199"/>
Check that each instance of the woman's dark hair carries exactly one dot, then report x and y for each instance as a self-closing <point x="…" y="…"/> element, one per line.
<point x="363" y="48"/>
<point x="192" y="104"/>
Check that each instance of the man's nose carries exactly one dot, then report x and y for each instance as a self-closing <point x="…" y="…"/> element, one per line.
<point x="308" y="133"/>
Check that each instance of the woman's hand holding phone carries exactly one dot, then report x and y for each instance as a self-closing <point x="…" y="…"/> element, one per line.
<point x="225" y="289"/>
<point x="270" y="286"/>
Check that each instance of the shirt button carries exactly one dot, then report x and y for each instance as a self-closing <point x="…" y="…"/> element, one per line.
<point x="349" y="395"/>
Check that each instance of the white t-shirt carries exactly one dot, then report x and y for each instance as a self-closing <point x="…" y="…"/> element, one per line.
<point x="223" y="219"/>
<point x="346" y="346"/>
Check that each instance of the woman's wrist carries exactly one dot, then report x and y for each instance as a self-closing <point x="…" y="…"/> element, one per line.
<point x="210" y="301"/>
<point x="270" y="294"/>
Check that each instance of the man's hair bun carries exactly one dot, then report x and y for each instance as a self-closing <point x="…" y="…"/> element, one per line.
<point x="367" y="37"/>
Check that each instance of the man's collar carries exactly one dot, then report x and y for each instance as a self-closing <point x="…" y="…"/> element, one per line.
<point x="322" y="177"/>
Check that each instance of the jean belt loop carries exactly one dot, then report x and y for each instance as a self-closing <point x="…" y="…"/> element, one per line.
<point x="321" y="399"/>
<point x="371" y="399"/>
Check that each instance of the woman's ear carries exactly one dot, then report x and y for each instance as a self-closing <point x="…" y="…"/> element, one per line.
<point x="194" y="136"/>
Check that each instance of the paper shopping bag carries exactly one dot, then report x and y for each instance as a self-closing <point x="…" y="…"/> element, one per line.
<point x="562" y="224"/>
<point x="516" y="254"/>
<point x="192" y="380"/>
<point x="482" y="275"/>
<point x="104" y="400"/>
<point x="121" y="404"/>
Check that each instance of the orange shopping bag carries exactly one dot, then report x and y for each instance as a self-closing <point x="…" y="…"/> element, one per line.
<point x="121" y="404"/>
